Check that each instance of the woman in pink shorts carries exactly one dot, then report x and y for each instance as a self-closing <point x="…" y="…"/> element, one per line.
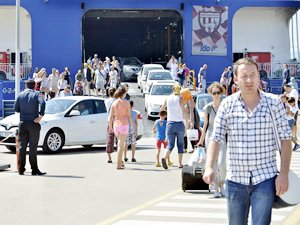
<point x="119" y="116"/>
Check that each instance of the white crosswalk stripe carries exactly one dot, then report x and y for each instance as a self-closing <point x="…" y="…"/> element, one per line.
<point x="196" y="208"/>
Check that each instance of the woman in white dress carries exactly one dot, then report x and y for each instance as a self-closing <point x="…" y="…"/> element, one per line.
<point x="61" y="83"/>
<point x="113" y="77"/>
<point x="99" y="80"/>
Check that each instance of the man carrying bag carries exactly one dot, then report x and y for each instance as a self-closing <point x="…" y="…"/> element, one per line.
<point x="251" y="178"/>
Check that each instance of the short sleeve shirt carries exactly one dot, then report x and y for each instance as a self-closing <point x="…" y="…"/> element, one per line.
<point x="251" y="146"/>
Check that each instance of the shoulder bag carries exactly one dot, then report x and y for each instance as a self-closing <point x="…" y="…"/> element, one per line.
<point x="292" y="196"/>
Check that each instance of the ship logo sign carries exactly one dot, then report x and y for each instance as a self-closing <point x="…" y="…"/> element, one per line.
<point x="209" y="21"/>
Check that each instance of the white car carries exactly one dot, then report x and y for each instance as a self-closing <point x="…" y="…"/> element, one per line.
<point x="156" y="75"/>
<point x="68" y="121"/>
<point x="142" y="75"/>
<point x="158" y="93"/>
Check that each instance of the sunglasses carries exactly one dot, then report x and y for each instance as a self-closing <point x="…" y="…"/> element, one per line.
<point x="216" y="93"/>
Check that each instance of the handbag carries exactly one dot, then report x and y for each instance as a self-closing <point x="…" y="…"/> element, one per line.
<point x="291" y="197"/>
<point x="192" y="134"/>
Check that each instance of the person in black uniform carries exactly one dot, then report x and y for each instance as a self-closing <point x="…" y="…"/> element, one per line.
<point x="31" y="106"/>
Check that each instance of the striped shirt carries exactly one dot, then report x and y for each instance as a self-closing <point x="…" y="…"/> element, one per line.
<point x="251" y="146"/>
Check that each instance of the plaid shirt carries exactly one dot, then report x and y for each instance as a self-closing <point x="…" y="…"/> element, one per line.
<point x="251" y="146"/>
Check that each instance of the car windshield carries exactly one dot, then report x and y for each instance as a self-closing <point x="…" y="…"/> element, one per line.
<point x="58" y="105"/>
<point x="132" y="61"/>
<point x="203" y="100"/>
<point x="160" y="76"/>
<point x="147" y="69"/>
<point x="161" y="90"/>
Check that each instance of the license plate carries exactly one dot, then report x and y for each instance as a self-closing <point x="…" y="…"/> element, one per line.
<point x="5" y="134"/>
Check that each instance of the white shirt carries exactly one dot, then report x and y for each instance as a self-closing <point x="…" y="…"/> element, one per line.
<point x="113" y="78"/>
<point x="173" y="70"/>
<point x="293" y="109"/>
<point x="61" y="84"/>
<point x="174" y="110"/>
<point x="294" y="93"/>
<point x="45" y="83"/>
<point x="53" y="80"/>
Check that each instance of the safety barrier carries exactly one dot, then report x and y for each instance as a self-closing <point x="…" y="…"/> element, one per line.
<point x="7" y="107"/>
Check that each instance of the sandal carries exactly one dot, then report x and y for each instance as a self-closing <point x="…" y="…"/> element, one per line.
<point x="120" y="168"/>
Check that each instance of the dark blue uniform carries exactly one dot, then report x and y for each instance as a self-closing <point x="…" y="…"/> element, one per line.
<point x="30" y="104"/>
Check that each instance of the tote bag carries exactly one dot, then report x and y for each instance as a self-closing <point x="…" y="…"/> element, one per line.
<point x="292" y="196"/>
<point x="192" y="134"/>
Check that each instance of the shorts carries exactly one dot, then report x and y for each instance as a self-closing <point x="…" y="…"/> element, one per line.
<point x="161" y="142"/>
<point x="131" y="139"/>
<point x="122" y="129"/>
<point x="100" y="85"/>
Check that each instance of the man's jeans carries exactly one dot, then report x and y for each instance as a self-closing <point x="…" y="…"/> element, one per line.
<point x="260" y="197"/>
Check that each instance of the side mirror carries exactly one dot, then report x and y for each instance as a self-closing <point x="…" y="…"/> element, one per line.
<point x="74" y="113"/>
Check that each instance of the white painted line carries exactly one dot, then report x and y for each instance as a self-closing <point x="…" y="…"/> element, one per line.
<point x="203" y="215"/>
<point x="147" y="222"/>
<point x="210" y="205"/>
<point x="140" y="207"/>
<point x="199" y="197"/>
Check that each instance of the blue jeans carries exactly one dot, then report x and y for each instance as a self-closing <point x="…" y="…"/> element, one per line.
<point x="260" y="197"/>
<point x="175" y="130"/>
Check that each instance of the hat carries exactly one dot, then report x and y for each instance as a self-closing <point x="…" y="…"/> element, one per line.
<point x="290" y="84"/>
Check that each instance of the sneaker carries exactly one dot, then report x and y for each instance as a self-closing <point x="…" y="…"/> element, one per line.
<point x="126" y="159"/>
<point x="170" y="163"/>
<point x="157" y="165"/>
<point x="223" y="192"/>
<point x="133" y="160"/>
<point x="296" y="147"/>
<point x="217" y="195"/>
<point x="164" y="163"/>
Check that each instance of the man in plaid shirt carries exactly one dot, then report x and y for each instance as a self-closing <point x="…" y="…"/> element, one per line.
<point x="251" y="178"/>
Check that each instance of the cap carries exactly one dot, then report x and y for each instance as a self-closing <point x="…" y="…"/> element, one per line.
<point x="290" y="84"/>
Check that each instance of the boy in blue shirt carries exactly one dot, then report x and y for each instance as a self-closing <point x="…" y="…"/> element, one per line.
<point x="159" y="128"/>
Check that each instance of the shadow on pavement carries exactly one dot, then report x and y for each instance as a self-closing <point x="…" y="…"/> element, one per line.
<point x="63" y="176"/>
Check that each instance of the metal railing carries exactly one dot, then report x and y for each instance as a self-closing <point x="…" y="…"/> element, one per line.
<point x="7" y="71"/>
<point x="7" y="107"/>
<point x="274" y="70"/>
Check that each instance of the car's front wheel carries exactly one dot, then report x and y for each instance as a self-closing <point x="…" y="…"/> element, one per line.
<point x="54" y="141"/>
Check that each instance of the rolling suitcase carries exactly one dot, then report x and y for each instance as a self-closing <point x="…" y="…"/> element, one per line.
<point x="192" y="178"/>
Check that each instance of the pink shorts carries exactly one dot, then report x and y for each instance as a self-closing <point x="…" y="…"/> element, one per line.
<point x="122" y="129"/>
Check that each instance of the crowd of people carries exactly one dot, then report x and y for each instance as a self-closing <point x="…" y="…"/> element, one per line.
<point x="94" y="78"/>
<point x="237" y="135"/>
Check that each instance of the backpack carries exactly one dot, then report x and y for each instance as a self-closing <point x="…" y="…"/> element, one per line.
<point x="79" y="90"/>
